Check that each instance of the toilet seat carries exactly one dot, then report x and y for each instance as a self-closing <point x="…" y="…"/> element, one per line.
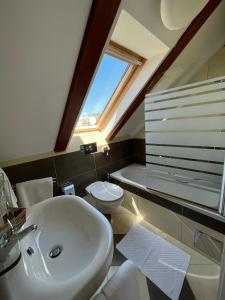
<point x="105" y="191"/>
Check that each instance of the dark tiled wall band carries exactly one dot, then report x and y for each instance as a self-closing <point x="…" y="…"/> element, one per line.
<point x="76" y="167"/>
<point x="84" y="169"/>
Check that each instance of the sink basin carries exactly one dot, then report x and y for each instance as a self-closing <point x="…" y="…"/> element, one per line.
<point x="70" y="252"/>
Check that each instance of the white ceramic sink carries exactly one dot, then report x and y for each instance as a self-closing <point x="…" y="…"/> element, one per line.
<point x="85" y="238"/>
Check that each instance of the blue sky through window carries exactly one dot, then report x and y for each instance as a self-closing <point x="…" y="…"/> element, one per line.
<point x="109" y="75"/>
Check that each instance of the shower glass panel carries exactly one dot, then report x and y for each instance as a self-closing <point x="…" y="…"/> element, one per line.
<point x="185" y="142"/>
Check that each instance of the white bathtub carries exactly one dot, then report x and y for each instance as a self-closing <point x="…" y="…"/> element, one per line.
<point x="187" y="195"/>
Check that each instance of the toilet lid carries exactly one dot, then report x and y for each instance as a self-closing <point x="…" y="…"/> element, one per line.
<point x="106" y="191"/>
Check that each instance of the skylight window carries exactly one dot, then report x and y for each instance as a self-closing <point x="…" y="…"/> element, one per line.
<point x="114" y="72"/>
<point x="109" y="75"/>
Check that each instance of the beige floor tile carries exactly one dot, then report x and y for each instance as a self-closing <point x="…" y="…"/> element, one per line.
<point x="204" y="281"/>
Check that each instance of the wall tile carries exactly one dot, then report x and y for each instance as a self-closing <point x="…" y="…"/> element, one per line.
<point x="139" y="160"/>
<point x="72" y="164"/>
<point x="130" y="202"/>
<point x="110" y="168"/>
<point x="31" y="170"/>
<point x="174" y="224"/>
<point x="205" y="244"/>
<point x="190" y="225"/>
<point x="123" y="222"/>
<point x="160" y="201"/>
<point x="77" y="167"/>
<point x="103" y="171"/>
<point x="82" y="181"/>
<point x="138" y="146"/>
<point x="114" y="156"/>
<point x="126" y="148"/>
<point x="138" y="149"/>
<point x="160" y="217"/>
<point x="204" y="220"/>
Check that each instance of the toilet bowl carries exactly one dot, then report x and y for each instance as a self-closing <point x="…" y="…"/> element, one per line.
<point x="106" y="196"/>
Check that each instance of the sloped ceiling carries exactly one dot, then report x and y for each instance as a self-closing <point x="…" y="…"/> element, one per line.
<point x="209" y="39"/>
<point x="40" y="42"/>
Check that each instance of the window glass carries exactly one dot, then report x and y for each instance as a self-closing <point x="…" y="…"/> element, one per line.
<point x="109" y="75"/>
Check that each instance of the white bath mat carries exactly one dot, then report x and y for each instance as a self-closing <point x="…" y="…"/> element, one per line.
<point x="163" y="263"/>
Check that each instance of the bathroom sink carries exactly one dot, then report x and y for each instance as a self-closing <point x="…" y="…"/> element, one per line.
<point x="67" y="257"/>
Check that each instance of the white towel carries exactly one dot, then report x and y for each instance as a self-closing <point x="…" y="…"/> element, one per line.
<point x="162" y="262"/>
<point x="34" y="191"/>
<point x="10" y="195"/>
<point x="127" y="283"/>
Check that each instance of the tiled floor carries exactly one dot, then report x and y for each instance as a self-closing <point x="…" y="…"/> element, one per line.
<point x="203" y="274"/>
<point x="202" y="279"/>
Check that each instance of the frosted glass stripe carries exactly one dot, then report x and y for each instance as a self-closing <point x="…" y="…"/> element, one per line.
<point x="195" y="90"/>
<point x="194" y="165"/>
<point x="203" y="154"/>
<point x="187" y="124"/>
<point x="186" y="173"/>
<point x="186" y="101"/>
<point x="190" y="85"/>
<point x="214" y="139"/>
<point x="185" y="139"/>
<point x="217" y="108"/>
<point x="195" y="194"/>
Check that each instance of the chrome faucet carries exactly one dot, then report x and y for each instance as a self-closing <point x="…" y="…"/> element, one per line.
<point x="10" y="225"/>
<point x="10" y="236"/>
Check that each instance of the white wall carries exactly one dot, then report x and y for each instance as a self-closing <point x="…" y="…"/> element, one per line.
<point x="214" y="67"/>
<point x="40" y="42"/>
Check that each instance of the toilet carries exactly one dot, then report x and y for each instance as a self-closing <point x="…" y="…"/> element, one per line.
<point x="106" y="196"/>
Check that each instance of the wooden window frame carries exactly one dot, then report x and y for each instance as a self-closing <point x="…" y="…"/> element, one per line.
<point x="135" y="64"/>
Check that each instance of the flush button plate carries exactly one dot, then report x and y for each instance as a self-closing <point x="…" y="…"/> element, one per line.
<point x="88" y="148"/>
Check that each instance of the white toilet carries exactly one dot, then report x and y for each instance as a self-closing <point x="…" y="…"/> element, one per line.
<point x="106" y="195"/>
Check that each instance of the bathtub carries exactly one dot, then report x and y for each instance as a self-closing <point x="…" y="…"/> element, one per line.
<point x="204" y="200"/>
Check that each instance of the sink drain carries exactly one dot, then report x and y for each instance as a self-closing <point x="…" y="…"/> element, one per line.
<point x="55" y="252"/>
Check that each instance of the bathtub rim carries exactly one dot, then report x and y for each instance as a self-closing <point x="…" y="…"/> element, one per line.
<point x="168" y="198"/>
